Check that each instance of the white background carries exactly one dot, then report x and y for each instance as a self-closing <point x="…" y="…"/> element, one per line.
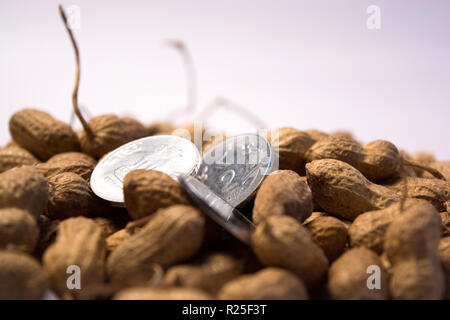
<point x="309" y="64"/>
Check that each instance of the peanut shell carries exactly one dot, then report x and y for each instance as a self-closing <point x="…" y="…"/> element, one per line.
<point x="291" y="145"/>
<point x="209" y="273"/>
<point x="110" y="132"/>
<point x="149" y="293"/>
<point x="330" y="234"/>
<point x="11" y="157"/>
<point x="18" y="230"/>
<point x="79" y="242"/>
<point x="348" y="276"/>
<point x="146" y="191"/>
<point x="25" y="188"/>
<point x="21" y="277"/>
<point x="267" y="284"/>
<point x="343" y="191"/>
<point x="172" y="235"/>
<point x="75" y="162"/>
<point x="281" y="241"/>
<point x="283" y="193"/>
<point x="41" y="134"/>
<point x="69" y="196"/>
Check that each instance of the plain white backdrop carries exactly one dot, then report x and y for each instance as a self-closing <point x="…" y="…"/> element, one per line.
<point x="308" y="64"/>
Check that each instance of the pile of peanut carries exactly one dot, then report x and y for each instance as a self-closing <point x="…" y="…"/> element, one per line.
<point x="338" y="220"/>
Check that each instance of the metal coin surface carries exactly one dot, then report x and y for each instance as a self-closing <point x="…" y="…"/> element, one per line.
<point x="170" y="154"/>
<point x="218" y="209"/>
<point x="235" y="167"/>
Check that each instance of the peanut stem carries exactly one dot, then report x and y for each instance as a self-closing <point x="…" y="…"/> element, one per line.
<point x="85" y="125"/>
<point x="415" y="164"/>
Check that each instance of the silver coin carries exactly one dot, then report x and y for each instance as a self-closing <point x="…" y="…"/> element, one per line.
<point x="235" y="167"/>
<point x="218" y="209"/>
<point x="170" y="154"/>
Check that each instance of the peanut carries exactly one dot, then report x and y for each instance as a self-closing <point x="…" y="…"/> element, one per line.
<point x="108" y="133"/>
<point x="283" y="193"/>
<point x="172" y="235"/>
<point x="343" y="191"/>
<point x="149" y="293"/>
<point x="209" y="273"/>
<point x="330" y="234"/>
<point x="291" y="145"/>
<point x="348" y="276"/>
<point x="25" y="188"/>
<point x="11" y="157"/>
<point x="411" y="245"/>
<point x="267" y="284"/>
<point x="158" y="128"/>
<point x="21" y="277"/>
<point x="281" y="241"/>
<point x="369" y="229"/>
<point x="376" y="160"/>
<point x="18" y="230"/>
<point x="146" y="191"/>
<point x="75" y="162"/>
<point x="69" y="196"/>
<point x="444" y="257"/>
<point x="445" y="219"/>
<point x="435" y="191"/>
<point x="79" y="242"/>
<point x="41" y="134"/>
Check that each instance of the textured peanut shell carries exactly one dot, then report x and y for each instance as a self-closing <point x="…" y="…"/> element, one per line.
<point x="348" y="276"/>
<point x="18" y="230"/>
<point x="283" y="193"/>
<point x="316" y="135"/>
<point x="442" y="166"/>
<point x="149" y="293"/>
<point x="110" y="225"/>
<point x="69" y="196"/>
<point x="330" y="234"/>
<point x="291" y="145"/>
<point x="115" y="239"/>
<point x="209" y="273"/>
<point x="369" y="229"/>
<point x="413" y="234"/>
<point x="420" y="279"/>
<point x="110" y="132"/>
<point x="411" y="245"/>
<point x="172" y="235"/>
<point x="21" y="277"/>
<point x="75" y="162"/>
<point x="343" y="191"/>
<point x="376" y="160"/>
<point x="146" y="191"/>
<point x="79" y="242"/>
<point x="444" y="257"/>
<point x="267" y="284"/>
<point x="25" y="188"/>
<point x="158" y="128"/>
<point x="41" y="134"/>
<point x="445" y="219"/>
<point x="435" y="191"/>
<point x="281" y="241"/>
<point x="424" y="158"/>
<point x="11" y="157"/>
